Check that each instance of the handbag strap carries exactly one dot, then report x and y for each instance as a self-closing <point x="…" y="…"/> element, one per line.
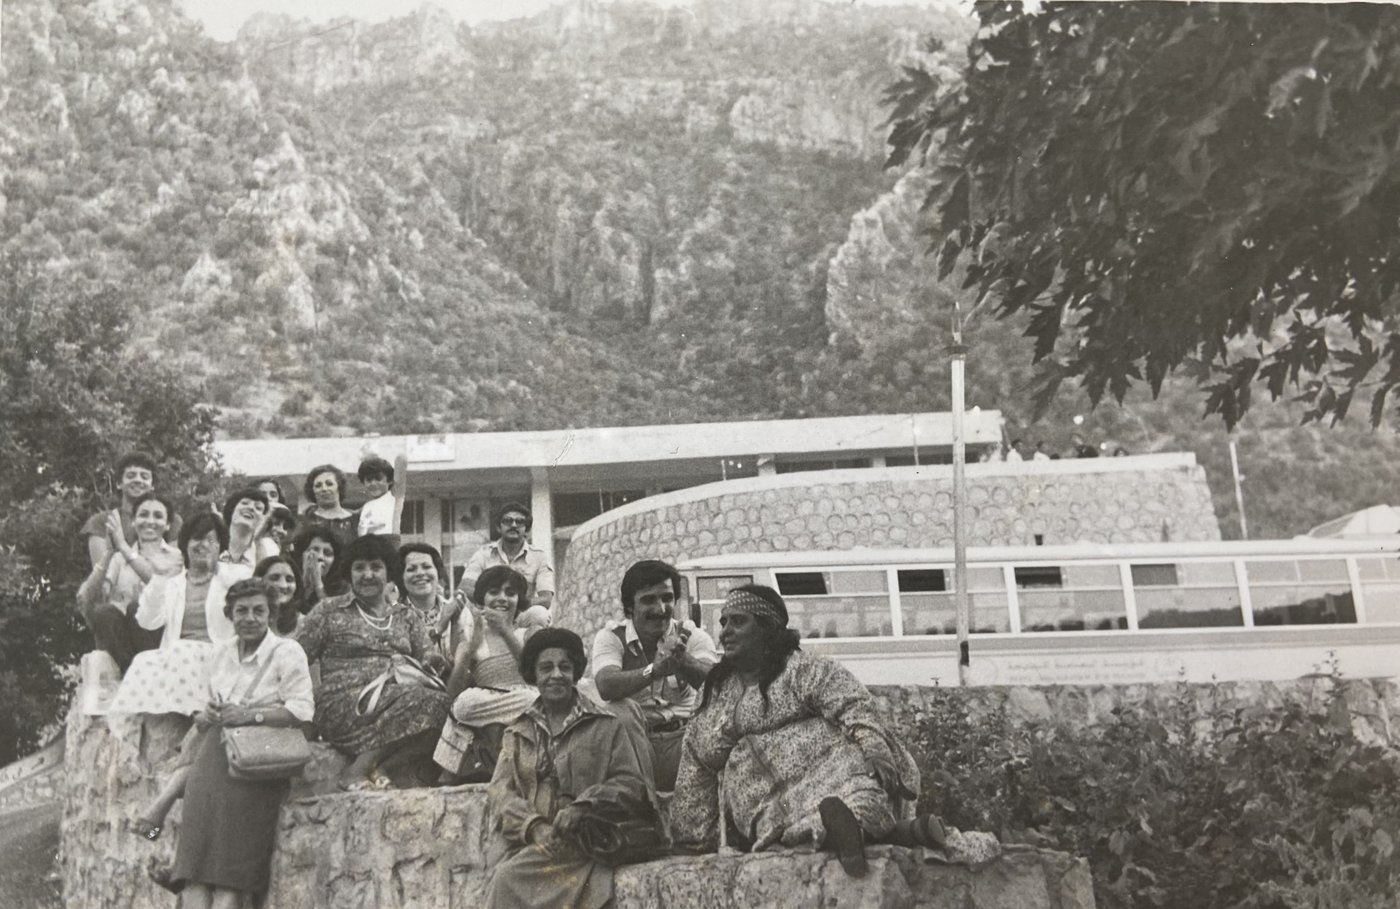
<point x="262" y="671"/>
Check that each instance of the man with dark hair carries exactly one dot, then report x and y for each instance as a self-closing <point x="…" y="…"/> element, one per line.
<point x="383" y="507"/>
<point x="655" y="660"/>
<point x="135" y="475"/>
<point x="513" y="549"/>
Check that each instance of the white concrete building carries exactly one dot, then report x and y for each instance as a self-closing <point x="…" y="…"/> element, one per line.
<point x="568" y="476"/>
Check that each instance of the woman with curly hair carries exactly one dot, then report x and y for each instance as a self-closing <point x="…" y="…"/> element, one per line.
<point x="373" y="703"/>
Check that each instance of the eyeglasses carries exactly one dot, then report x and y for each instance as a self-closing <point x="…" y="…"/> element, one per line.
<point x="514" y="522"/>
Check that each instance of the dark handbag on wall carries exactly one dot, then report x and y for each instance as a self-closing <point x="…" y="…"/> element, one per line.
<point x="624" y="831"/>
<point x="264" y="752"/>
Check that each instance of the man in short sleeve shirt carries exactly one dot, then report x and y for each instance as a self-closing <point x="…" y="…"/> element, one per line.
<point x="135" y="476"/>
<point x="513" y="549"/>
<point x="655" y="660"/>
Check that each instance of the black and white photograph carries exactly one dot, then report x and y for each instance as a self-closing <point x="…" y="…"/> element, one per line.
<point x="699" y="454"/>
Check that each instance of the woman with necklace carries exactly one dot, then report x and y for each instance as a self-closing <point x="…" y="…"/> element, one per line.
<point x="188" y="609"/>
<point x="420" y="582"/>
<point x="359" y="641"/>
<point x="325" y="486"/>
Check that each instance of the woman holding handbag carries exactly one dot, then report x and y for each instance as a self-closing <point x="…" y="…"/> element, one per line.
<point x="256" y="680"/>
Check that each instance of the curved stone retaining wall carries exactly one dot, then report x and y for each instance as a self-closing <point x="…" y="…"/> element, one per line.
<point x="1139" y="499"/>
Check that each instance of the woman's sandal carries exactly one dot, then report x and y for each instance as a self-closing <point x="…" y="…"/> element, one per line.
<point x="844" y="835"/>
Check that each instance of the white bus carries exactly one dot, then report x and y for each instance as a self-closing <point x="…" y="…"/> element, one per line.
<point x="1086" y="613"/>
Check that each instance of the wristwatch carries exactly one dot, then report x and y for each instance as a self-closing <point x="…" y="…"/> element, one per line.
<point x="259" y="718"/>
<point x="648" y="671"/>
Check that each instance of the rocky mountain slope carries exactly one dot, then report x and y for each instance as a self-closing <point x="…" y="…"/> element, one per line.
<point x="604" y="214"/>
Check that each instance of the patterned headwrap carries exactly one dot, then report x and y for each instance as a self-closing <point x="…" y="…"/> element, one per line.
<point x="755" y="605"/>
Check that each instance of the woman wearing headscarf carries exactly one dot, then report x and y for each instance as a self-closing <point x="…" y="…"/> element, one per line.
<point x="787" y="749"/>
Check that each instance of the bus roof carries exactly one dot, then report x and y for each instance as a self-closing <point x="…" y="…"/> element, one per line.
<point x="1162" y="552"/>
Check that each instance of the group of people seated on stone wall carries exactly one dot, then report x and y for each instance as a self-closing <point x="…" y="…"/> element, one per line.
<point x="762" y="745"/>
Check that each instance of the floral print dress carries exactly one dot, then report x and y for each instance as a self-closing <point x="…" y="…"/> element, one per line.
<point x="352" y="653"/>
<point x="762" y="769"/>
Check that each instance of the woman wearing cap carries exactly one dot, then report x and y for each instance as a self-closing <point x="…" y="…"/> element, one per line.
<point x="787" y="749"/>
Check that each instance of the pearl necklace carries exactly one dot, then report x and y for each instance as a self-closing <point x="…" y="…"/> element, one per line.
<point x="375" y="623"/>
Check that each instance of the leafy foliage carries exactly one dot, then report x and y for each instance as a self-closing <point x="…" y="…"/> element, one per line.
<point x="1158" y="186"/>
<point x="1184" y="804"/>
<point x="74" y="397"/>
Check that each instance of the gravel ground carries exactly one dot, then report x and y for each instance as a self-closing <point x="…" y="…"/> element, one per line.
<point x="29" y="857"/>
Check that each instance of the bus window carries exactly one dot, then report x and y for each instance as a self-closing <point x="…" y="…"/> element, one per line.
<point x="837" y="604"/>
<point x="932" y="610"/>
<point x="1380" y="581"/>
<point x="1154" y="575"/>
<point x="801" y="583"/>
<point x="1301" y="592"/>
<point x="1089" y="597"/>
<point x="1205" y="595"/>
<point x="1038" y="576"/>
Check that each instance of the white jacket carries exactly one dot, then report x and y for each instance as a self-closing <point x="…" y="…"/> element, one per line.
<point x="162" y="604"/>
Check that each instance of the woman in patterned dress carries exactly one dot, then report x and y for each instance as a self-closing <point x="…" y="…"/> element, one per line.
<point x="356" y="637"/>
<point x="787" y="749"/>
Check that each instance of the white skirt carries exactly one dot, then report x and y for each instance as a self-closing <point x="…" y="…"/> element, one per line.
<point x="169" y="680"/>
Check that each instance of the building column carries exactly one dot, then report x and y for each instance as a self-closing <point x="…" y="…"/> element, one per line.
<point x="767" y="465"/>
<point x="542" y="512"/>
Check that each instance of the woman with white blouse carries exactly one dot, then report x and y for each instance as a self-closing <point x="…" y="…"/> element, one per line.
<point x="188" y="607"/>
<point x="224" y="851"/>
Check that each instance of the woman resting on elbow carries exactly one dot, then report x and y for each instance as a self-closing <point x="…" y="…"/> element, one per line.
<point x="357" y="638"/>
<point x="566" y="753"/>
<point x="487" y="687"/>
<point x="224" y="852"/>
<point x="787" y="749"/>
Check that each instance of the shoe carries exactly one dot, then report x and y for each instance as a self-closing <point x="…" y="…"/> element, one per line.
<point x="844" y="836"/>
<point x="148" y="830"/>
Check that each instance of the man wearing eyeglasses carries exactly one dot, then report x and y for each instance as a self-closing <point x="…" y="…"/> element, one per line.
<point x="512" y="548"/>
<point x="655" y="659"/>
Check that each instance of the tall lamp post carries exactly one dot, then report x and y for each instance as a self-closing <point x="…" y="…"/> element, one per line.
<point x="957" y="352"/>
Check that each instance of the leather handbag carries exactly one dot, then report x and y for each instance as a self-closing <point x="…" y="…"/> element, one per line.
<point x="403" y="670"/>
<point x="264" y="752"/>
<point x="620" y="831"/>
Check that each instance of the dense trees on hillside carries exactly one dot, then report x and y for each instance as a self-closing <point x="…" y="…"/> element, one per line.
<point x="1158" y="186"/>
<point x="74" y="397"/>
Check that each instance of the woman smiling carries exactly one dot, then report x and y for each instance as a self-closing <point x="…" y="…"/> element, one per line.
<point x="325" y="486"/>
<point x="257" y="679"/>
<point x="565" y="756"/>
<point x="188" y="609"/>
<point x="108" y="596"/>
<point x="369" y="704"/>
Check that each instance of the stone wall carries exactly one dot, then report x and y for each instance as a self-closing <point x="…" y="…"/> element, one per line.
<point x="1141" y="499"/>
<point x="425" y="847"/>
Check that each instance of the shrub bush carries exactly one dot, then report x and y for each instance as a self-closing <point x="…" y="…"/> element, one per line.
<point x="1182" y="805"/>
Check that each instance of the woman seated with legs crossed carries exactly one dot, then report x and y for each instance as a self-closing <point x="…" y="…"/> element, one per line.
<point x="373" y="703"/>
<point x="489" y="691"/>
<point x="787" y="750"/>
<point x="224" y="852"/>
